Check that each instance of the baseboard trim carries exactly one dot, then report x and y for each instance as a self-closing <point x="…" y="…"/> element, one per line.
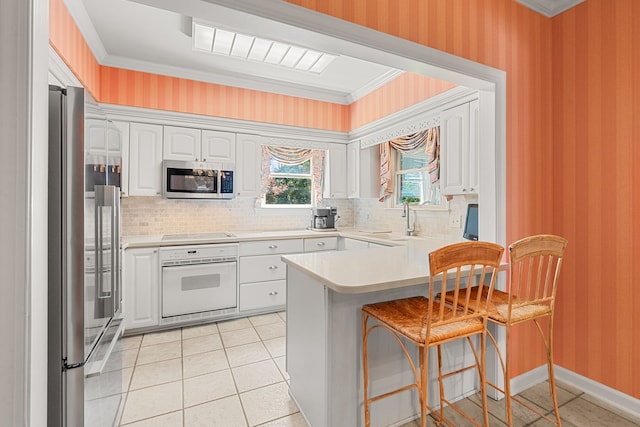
<point x="610" y="396"/>
<point x="529" y="379"/>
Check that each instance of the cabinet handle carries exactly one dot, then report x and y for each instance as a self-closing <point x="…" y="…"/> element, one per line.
<point x="273" y="246"/>
<point x="273" y="293"/>
<point x="273" y="267"/>
<point x="204" y="160"/>
<point x="321" y="243"/>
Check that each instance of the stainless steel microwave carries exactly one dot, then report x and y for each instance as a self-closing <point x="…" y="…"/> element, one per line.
<point x="197" y="180"/>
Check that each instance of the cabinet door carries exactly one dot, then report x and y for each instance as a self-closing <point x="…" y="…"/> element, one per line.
<point x="336" y="172"/>
<point x="353" y="170"/>
<point x="145" y="159"/>
<point x="95" y="140"/>
<point x="182" y="143"/>
<point x="363" y="171"/>
<point x="474" y="144"/>
<point x="218" y="146"/>
<point x="248" y="167"/>
<point x="141" y="288"/>
<point x="123" y="127"/>
<point x="454" y="132"/>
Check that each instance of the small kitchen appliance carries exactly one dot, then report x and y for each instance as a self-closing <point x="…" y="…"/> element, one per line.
<point x="323" y="219"/>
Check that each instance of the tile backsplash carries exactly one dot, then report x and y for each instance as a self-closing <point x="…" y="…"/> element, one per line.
<point x="155" y="215"/>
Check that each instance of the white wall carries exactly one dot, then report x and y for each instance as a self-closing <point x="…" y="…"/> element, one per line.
<point x="24" y="29"/>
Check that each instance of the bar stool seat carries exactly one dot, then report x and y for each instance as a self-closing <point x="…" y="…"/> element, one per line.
<point x="427" y="322"/>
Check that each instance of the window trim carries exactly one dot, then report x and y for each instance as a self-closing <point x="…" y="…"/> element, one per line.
<point x="396" y="157"/>
<point x="263" y="201"/>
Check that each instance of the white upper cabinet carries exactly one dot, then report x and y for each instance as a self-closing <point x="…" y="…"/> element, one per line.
<point x="218" y="146"/>
<point x="122" y="136"/>
<point x="182" y="143"/>
<point x="95" y="137"/>
<point x="145" y="159"/>
<point x="248" y="165"/>
<point x="363" y="171"/>
<point x="459" y="149"/>
<point x="335" y="179"/>
<point x="191" y="144"/>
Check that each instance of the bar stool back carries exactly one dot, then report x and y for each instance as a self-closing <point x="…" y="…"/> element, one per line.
<point x="427" y="322"/>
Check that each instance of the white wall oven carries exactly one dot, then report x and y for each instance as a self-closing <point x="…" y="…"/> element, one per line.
<point x="198" y="281"/>
<point x="197" y="180"/>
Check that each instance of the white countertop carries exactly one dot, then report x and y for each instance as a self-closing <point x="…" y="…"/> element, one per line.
<point x="370" y="270"/>
<point x="158" y="240"/>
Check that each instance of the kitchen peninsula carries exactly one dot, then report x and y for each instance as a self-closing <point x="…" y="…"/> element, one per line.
<point x="325" y="292"/>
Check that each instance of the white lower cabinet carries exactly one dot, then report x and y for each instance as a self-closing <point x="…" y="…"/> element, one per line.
<point x="262" y="274"/>
<point x="321" y="244"/>
<point x="262" y="295"/>
<point x="141" y="288"/>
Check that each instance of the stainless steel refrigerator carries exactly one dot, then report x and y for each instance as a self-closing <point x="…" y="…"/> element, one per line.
<point x="84" y="272"/>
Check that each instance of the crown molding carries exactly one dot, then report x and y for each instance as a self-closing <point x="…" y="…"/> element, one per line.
<point x="373" y="85"/>
<point x="550" y="8"/>
<point x="417" y="117"/>
<point x="59" y="69"/>
<point x="87" y="29"/>
<point x="229" y="79"/>
<point x="272" y="132"/>
<point x="80" y="16"/>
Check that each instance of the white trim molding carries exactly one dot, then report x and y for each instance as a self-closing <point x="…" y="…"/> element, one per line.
<point x="611" y="396"/>
<point x="417" y="117"/>
<point x="550" y="8"/>
<point x="278" y="134"/>
<point x="608" y="395"/>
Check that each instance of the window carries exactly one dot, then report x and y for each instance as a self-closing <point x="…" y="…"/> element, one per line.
<point x="289" y="184"/>
<point x="413" y="181"/>
<point x="291" y="177"/>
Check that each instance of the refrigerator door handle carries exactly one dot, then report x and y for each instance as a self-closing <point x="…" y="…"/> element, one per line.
<point x="115" y="248"/>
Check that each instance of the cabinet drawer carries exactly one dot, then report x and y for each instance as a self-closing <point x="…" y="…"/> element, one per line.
<point x="321" y="244"/>
<point x="266" y="247"/>
<point x="261" y="268"/>
<point x="263" y="294"/>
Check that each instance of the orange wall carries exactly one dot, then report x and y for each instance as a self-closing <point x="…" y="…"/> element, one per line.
<point x="596" y="128"/>
<point x="400" y="93"/>
<point x="137" y="89"/>
<point x="573" y="86"/>
<point x="65" y="38"/>
<point x="505" y="35"/>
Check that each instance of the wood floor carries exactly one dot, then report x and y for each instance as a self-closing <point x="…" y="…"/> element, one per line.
<point x="577" y="409"/>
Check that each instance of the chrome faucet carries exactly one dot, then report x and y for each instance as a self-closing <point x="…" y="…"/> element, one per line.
<point x="406" y="213"/>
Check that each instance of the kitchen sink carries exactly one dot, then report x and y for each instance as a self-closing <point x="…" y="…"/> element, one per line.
<point x="389" y="236"/>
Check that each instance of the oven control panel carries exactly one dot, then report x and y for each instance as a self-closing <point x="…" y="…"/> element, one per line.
<point x="198" y="252"/>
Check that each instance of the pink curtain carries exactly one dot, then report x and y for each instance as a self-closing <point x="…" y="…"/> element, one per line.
<point x="428" y="139"/>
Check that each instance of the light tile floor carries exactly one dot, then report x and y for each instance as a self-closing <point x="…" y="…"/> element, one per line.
<point x="232" y="374"/>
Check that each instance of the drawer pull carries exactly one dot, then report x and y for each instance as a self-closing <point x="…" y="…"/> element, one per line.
<point x="273" y="293"/>
<point x="321" y="243"/>
<point x="273" y="267"/>
<point x="273" y="246"/>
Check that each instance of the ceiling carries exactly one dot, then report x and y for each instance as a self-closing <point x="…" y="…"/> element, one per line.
<point x="156" y="38"/>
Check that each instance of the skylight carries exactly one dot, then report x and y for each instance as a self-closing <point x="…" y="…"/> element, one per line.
<point x="207" y="38"/>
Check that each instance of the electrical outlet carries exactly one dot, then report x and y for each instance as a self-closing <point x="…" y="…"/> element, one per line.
<point x="455" y="220"/>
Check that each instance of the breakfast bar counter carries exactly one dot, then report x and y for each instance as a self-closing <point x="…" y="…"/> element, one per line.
<point x="325" y="292"/>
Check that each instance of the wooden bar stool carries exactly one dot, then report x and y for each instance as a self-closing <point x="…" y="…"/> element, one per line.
<point x="427" y="323"/>
<point x="535" y="266"/>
